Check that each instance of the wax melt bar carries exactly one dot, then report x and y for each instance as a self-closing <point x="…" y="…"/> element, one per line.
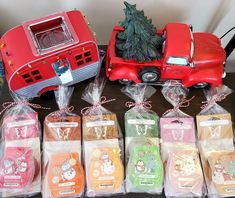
<point x="222" y="171"/>
<point x="145" y="169"/>
<point x="65" y="175"/>
<point x="184" y="173"/>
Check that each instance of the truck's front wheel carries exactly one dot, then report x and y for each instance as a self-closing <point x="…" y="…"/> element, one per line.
<point x="201" y="85"/>
<point x="149" y="74"/>
<point x="125" y="81"/>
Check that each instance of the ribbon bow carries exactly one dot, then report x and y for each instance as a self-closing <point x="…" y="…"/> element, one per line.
<point x="183" y="103"/>
<point x="213" y="101"/>
<point x="145" y="104"/>
<point x="8" y="105"/>
<point x="88" y="110"/>
<point x="62" y="111"/>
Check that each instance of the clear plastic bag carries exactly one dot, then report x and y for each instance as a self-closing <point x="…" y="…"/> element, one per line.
<point x="144" y="172"/>
<point x="63" y="174"/>
<point x="183" y="172"/>
<point x="20" y="164"/>
<point x="102" y="144"/>
<point x="215" y="137"/>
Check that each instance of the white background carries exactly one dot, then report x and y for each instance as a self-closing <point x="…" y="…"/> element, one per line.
<point x="216" y="16"/>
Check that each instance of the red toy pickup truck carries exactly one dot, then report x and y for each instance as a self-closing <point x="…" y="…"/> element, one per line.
<point x="197" y="59"/>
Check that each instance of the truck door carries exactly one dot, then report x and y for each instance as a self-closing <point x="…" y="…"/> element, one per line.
<point x="176" y="68"/>
<point x="63" y="70"/>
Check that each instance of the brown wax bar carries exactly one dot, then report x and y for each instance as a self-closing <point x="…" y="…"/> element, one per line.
<point x="62" y="129"/>
<point x="100" y="127"/>
<point x="216" y="126"/>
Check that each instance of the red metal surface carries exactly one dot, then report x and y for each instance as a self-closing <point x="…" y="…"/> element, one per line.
<point x="205" y="65"/>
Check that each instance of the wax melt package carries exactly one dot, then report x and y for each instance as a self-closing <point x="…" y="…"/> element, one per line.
<point x="20" y="163"/>
<point x="102" y="144"/>
<point x="183" y="172"/>
<point x="215" y="141"/>
<point x="144" y="169"/>
<point x="63" y="174"/>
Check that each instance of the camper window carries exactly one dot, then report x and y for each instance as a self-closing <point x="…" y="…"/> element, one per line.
<point x="49" y="34"/>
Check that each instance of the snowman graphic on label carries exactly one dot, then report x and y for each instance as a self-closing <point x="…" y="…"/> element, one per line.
<point x="107" y="166"/>
<point x="218" y="173"/>
<point x="68" y="172"/>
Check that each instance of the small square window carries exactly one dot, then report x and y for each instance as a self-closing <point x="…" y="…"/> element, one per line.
<point x="88" y="59"/>
<point x="35" y="72"/>
<point x="78" y="57"/>
<point x="80" y="62"/>
<point x="87" y="53"/>
<point x="25" y="76"/>
<point x="30" y="80"/>
<point x="38" y="77"/>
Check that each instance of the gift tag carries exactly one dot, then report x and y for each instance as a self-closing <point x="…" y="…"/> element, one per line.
<point x="65" y="175"/>
<point x="100" y="127"/>
<point x="62" y="129"/>
<point x="177" y="130"/>
<point x="145" y="169"/>
<point x="141" y="124"/>
<point x="214" y="127"/>
<point x="184" y="173"/>
<point x="106" y="171"/>
<point x="17" y="167"/>
<point x="21" y="126"/>
<point x="222" y="165"/>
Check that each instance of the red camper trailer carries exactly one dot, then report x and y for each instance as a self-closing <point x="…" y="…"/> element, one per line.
<point x="44" y="53"/>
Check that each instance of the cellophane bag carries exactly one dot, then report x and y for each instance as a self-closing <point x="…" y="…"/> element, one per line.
<point x="215" y="141"/>
<point x="144" y="169"/>
<point x="63" y="174"/>
<point x="183" y="172"/>
<point x="20" y="164"/>
<point x="102" y="144"/>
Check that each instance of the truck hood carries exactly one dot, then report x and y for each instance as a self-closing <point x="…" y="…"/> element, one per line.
<point x="207" y="48"/>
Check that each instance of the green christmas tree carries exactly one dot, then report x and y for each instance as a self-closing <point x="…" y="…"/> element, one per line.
<point x="138" y="41"/>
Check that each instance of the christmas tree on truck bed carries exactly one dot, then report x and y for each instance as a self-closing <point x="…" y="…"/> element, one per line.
<point x="138" y="41"/>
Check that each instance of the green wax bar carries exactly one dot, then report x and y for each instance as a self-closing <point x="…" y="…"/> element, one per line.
<point x="145" y="168"/>
<point x="143" y="124"/>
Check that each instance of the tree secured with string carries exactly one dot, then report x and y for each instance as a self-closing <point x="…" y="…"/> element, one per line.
<point x="138" y="41"/>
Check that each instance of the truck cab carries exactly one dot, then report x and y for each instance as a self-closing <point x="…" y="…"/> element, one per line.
<point x="196" y="59"/>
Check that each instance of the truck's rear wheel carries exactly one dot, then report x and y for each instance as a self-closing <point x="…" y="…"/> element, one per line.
<point x="201" y="85"/>
<point x="125" y="81"/>
<point x="149" y="74"/>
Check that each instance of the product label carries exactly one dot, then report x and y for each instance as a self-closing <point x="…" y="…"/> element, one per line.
<point x="57" y="129"/>
<point x="141" y="121"/>
<point x="177" y="130"/>
<point x="100" y="123"/>
<point x="217" y="126"/>
<point x="100" y="127"/>
<point x="141" y="124"/>
<point x="63" y="124"/>
<point x="21" y="126"/>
